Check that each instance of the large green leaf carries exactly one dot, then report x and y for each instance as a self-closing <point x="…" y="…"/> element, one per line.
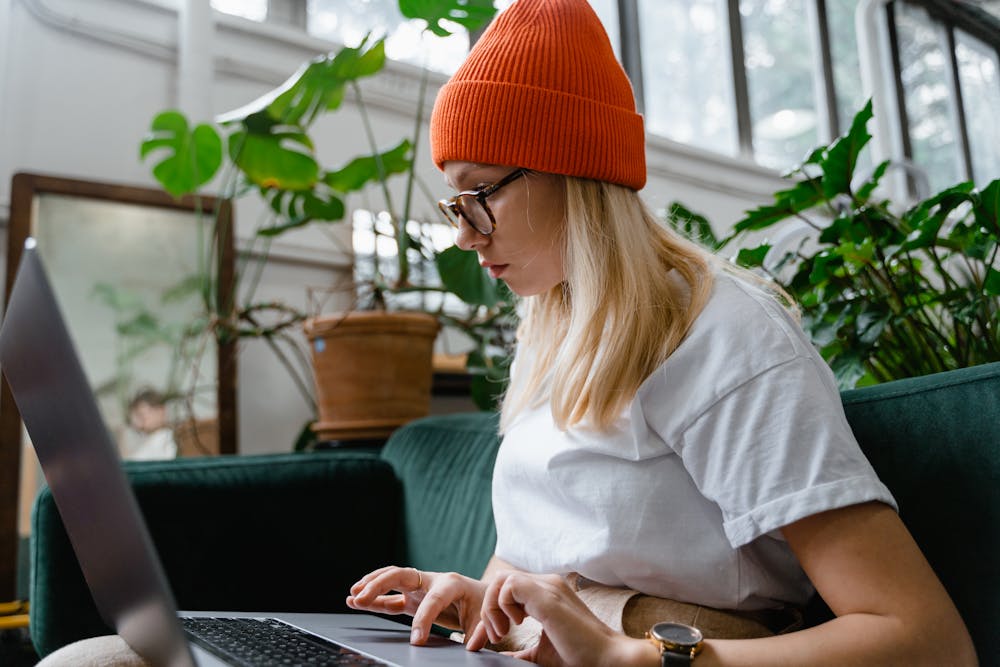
<point x="924" y="221"/>
<point x="470" y="14"/>
<point x="992" y="283"/>
<point x="987" y="208"/>
<point x="693" y="225"/>
<point x="802" y="196"/>
<point x="461" y="274"/>
<point x="191" y="156"/>
<point x="840" y="160"/>
<point x="848" y="368"/>
<point x="350" y="64"/>
<point x="753" y="257"/>
<point x="321" y="85"/>
<point x="273" y="157"/>
<point x="297" y="209"/>
<point x="490" y="376"/>
<point x="360" y="171"/>
<point x="316" y="87"/>
<point x="866" y="190"/>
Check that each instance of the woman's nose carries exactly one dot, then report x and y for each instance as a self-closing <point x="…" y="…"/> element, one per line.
<point x="468" y="238"/>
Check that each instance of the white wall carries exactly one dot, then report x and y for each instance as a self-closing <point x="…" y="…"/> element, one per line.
<point x="81" y="79"/>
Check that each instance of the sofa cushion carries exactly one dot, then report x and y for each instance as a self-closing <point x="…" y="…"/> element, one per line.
<point x="446" y="466"/>
<point x="935" y="442"/>
<point x="242" y="533"/>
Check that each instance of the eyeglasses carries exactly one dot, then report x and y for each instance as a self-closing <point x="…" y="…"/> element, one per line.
<point x="471" y="205"/>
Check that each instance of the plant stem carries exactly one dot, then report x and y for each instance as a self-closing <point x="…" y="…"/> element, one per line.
<point x="246" y="257"/>
<point x="382" y="176"/>
<point x="403" y="239"/>
<point x="231" y="179"/>
<point x="808" y="222"/>
<point x="259" y="273"/>
<point x="296" y="380"/>
<point x="906" y="331"/>
<point x="370" y="134"/>
<point x="883" y="273"/>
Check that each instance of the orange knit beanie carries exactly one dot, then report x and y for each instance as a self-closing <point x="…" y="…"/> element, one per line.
<point x="542" y="89"/>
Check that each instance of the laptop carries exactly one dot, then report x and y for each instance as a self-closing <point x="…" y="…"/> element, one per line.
<point x="111" y="541"/>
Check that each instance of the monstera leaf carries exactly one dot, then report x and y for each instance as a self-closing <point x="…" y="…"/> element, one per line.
<point x="470" y="14"/>
<point x="297" y="209"/>
<point x="363" y="170"/>
<point x="316" y="87"/>
<point x="461" y="274"/>
<point x="191" y="156"/>
<point x="273" y="155"/>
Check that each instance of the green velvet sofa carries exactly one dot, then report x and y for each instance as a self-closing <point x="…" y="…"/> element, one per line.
<point x="292" y="532"/>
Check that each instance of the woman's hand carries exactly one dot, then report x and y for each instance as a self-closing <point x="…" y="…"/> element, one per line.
<point x="571" y="634"/>
<point x="445" y="598"/>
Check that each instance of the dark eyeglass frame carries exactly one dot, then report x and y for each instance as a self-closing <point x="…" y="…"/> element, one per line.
<point x="452" y="209"/>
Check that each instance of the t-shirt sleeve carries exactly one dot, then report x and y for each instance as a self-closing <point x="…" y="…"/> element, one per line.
<point x="777" y="449"/>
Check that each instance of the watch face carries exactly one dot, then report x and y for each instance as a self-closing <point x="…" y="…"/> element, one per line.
<point x="676" y="633"/>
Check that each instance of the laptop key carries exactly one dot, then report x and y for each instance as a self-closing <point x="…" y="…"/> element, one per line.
<point x="255" y="642"/>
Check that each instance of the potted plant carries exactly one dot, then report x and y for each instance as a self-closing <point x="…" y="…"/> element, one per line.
<point x="265" y="148"/>
<point x="884" y="293"/>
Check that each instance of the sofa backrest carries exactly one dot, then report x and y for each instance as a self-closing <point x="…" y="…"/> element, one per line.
<point x="241" y="533"/>
<point x="935" y="442"/>
<point x="445" y="464"/>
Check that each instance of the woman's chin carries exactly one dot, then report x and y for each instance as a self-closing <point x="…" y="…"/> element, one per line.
<point x="523" y="289"/>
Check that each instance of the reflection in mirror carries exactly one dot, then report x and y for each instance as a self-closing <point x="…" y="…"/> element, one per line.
<point x="128" y="268"/>
<point x="127" y="278"/>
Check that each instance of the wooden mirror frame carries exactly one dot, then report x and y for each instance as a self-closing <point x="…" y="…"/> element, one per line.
<point x="25" y="187"/>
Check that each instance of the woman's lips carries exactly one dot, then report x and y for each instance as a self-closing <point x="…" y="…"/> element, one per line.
<point x="495" y="270"/>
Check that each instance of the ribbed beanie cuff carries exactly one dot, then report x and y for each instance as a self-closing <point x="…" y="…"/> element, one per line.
<point x="543" y="90"/>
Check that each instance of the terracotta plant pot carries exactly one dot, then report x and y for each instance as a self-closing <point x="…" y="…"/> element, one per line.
<point x="373" y="371"/>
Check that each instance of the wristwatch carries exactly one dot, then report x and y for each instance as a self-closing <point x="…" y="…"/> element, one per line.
<point x="678" y="643"/>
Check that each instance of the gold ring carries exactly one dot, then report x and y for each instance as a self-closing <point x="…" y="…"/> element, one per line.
<point x="420" y="578"/>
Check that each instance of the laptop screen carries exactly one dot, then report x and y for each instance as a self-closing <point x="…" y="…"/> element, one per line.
<point x="83" y="471"/>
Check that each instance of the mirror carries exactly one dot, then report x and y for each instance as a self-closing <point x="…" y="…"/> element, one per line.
<point x="123" y="262"/>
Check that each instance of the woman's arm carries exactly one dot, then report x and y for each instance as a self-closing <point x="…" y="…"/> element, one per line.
<point x="891" y="609"/>
<point x="890" y="606"/>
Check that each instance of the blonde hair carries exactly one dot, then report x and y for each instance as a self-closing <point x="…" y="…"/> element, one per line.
<point x="631" y="291"/>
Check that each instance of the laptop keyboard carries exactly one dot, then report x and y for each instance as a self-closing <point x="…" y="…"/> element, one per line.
<point x="267" y="642"/>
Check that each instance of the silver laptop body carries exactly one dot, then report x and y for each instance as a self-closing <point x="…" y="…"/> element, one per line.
<point x="101" y="516"/>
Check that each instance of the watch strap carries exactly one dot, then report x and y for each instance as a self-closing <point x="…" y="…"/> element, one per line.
<point x="672" y="659"/>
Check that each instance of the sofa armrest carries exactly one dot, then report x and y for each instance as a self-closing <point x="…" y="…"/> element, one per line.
<point x="283" y="532"/>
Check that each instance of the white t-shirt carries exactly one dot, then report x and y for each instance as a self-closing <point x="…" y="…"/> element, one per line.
<point x="739" y="433"/>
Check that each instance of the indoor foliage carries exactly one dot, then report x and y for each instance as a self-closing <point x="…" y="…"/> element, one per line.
<point x="265" y="148"/>
<point x="884" y="293"/>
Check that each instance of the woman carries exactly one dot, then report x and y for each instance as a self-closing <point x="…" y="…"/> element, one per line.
<point x="672" y="441"/>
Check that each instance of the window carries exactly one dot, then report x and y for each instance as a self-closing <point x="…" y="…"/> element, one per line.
<point x="688" y="96"/>
<point x="844" y="59"/>
<point x="255" y="10"/>
<point x="778" y="57"/>
<point x="946" y="64"/>
<point x="764" y="79"/>
<point x="923" y="70"/>
<point x="375" y="254"/>
<point x="348" y="21"/>
<point x="979" y="78"/>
